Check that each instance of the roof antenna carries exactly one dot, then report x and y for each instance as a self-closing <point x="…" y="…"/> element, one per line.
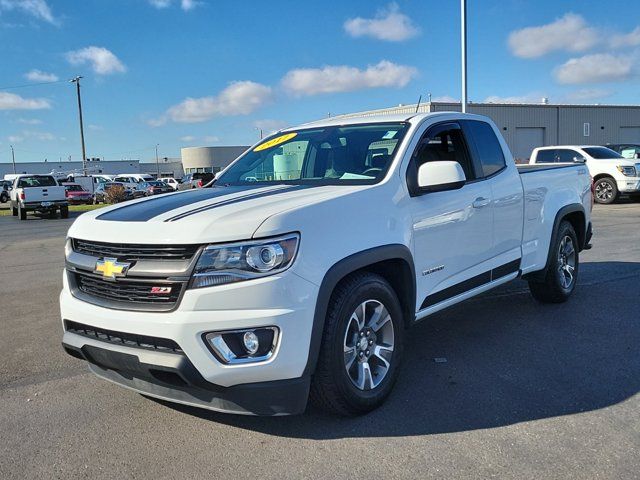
<point x="418" y="105"/>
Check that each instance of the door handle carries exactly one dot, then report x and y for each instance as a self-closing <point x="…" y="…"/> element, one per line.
<point x="480" y="202"/>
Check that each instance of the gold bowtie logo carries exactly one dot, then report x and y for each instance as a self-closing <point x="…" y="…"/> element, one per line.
<point x="111" y="268"/>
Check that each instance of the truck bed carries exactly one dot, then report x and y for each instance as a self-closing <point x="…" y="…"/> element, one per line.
<point x="533" y="167"/>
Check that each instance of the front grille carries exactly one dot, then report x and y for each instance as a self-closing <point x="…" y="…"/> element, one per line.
<point x="131" y="292"/>
<point x="121" y="338"/>
<point x="132" y="252"/>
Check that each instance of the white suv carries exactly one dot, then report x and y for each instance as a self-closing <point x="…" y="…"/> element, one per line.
<point x="612" y="173"/>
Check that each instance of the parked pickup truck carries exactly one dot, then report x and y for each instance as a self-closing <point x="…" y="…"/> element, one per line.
<point x="298" y="272"/>
<point x="612" y="173"/>
<point x="38" y="193"/>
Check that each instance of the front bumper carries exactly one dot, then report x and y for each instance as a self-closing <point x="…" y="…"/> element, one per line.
<point x="285" y="301"/>
<point x="629" y="185"/>
<point x="172" y="377"/>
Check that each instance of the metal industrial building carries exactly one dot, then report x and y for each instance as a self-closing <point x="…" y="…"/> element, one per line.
<point x="209" y="159"/>
<point x="526" y="126"/>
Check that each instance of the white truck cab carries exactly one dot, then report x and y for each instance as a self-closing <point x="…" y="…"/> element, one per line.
<point x="297" y="272"/>
<point x="134" y="180"/>
<point x="612" y="173"/>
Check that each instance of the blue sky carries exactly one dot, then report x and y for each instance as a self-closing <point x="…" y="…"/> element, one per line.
<point x="186" y="72"/>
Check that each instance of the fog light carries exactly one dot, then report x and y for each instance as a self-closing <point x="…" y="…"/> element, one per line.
<point x="251" y="342"/>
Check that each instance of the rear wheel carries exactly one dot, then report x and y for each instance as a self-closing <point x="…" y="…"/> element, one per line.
<point x="562" y="275"/>
<point x="22" y="213"/>
<point x="64" y="212"/>
<point x="361" y="346"/>
<point x="14" y="210"/>
<point x="606" y="190"/>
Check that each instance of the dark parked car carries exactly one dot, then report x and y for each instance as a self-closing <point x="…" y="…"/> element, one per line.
<point x="627" y="150"/>
<point x="195" y="180"/>
<point x="5" y="186"/>
<point x="99" y="196"/>
<point x="155" y="188"/>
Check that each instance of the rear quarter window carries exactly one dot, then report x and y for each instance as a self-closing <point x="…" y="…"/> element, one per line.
<point x="488" y="147"/>
<point x="546" y="156"/>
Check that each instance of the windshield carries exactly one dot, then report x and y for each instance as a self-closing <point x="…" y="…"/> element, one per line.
<point x="350" y="154"/>
<point x="37" y="181"/>
<point x="601" y="153"/>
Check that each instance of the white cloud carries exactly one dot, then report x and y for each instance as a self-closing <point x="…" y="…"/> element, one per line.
<point x="239" y="98"/>
<point x="388" y="24"/>
<point x="596" y="68"/>
<point x="29" y="121"/>
<point x="211" y="139"/>
<point x="187" y="138"/>
<point x="102" y="61"/>
<point x="185" y="5"/>
<point x="569" y="33"/>
<point x="533" y="97"/>
<point x="95" y="128"/>
<point x="38" y="9"/>
<point x="39" y="76"/>
<point x="631" y="39"/>
<point x="343" y="78"/>
<point x="269" y="126"/>
<point x="31" y="135"/>
<point x="587" y="94"/>
<point x="11" y="101"/>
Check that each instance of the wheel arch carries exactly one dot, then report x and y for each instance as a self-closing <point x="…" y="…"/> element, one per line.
<point x="576" y="216"/>
<point x="393" y="262"/>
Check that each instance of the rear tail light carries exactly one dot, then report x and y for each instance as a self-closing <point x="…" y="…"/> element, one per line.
<point x="199" y="183"/>
<point x="21" y="195"/>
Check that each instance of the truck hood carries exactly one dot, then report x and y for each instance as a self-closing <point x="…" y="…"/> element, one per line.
<point x="207" y="215"/>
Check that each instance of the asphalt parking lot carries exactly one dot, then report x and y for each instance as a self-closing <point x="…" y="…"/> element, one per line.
<point x="527" y="391"/>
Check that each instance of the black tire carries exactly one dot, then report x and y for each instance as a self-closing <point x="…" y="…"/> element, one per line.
<point x="14" y="210"/>
<point x="554" y="288"/>
<point x="4" y="198"/>
<point x="22" y="213"/>
<point x="64" y="212"/>
<point x="606" y="190"/>
<point x="332" y="389"/>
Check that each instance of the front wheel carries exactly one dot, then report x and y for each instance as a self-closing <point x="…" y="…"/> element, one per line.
<point x="361" y="346"/>
<point x="562" y="274"/>
<point x="606" y="190"/>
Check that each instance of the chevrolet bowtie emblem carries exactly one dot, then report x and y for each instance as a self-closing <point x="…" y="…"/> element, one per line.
<point x="111" y="268"/>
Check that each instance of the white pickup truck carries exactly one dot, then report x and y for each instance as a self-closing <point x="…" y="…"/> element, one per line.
<point x="296" y="274"/>
<point x="612" y="173"/>
<point x="38" y="193"/>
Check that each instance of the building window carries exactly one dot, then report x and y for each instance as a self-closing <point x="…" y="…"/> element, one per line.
<point x="586" y="129"/>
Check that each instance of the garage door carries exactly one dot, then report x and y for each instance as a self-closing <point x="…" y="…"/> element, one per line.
<point x="629" y="134"/>
<point x="527" y="138"/>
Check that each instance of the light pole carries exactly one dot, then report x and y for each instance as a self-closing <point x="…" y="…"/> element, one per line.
<point x="157" y="164"/>
<point x="76" y="80"/>
<point x="463" y="42"/>
<point x="260" y="131"/>
<point x="13" y="158"/>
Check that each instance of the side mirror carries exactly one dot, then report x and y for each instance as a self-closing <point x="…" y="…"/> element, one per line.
<point x="440" y="176"/>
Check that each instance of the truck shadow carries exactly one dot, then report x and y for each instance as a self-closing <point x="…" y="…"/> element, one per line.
<point x="508" y="360"/>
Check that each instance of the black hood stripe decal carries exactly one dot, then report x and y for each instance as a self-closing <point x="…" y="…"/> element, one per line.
<point x="146" y="210"/>
<point x="231" y="201"/>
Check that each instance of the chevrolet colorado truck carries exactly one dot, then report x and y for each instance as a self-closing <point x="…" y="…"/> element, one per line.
<point x="38" y="193"/>
<point x="612" y="173"/>
<point x="296" y="274"/>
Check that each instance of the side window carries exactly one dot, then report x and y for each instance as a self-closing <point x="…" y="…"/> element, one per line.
<point x="546" y="156"/>
<point x="488" y="147"/>
<point x="566" y="156"/>
<point x="445" y="145"/>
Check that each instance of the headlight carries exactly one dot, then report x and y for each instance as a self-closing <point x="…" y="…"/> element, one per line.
<point x="627" y="171"/>
<point x="68" y="247"/>
<point x="234" y="262"/>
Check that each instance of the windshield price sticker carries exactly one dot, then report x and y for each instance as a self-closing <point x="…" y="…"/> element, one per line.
<point x="275" y="141"/>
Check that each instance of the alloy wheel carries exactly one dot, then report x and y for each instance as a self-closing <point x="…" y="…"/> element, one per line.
<point x="368" y="345"/>
<point x="566" y="261"/>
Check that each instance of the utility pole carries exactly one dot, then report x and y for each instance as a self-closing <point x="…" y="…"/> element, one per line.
<point x="76" y="80"/>
<point x="13" y="158"/>
<point x="260" y="131"/>
<point x="157" y="164"/>
<point x="463" y="42"/>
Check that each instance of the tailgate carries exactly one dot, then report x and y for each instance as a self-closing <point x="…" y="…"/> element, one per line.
<point x="43" y="194"/>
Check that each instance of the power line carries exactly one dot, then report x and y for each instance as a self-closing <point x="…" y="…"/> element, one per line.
<point x="25" y="85"/>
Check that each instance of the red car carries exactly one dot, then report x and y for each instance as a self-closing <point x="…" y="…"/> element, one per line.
<point x="76" y="194"/>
